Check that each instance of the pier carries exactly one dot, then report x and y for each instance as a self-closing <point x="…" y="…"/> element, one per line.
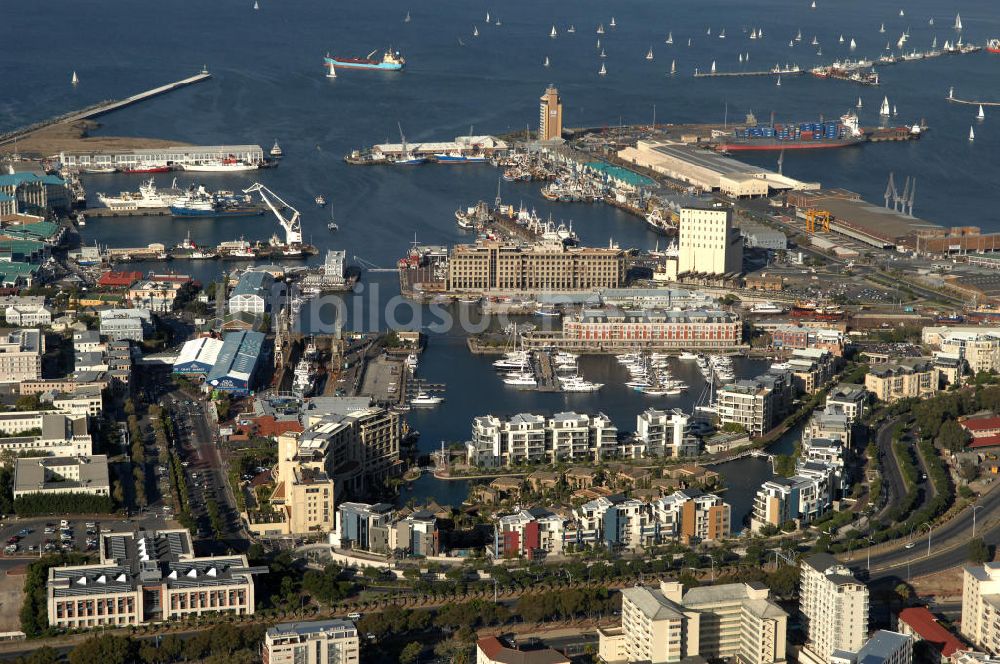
<point x="102" y="108"/>
<point x="768" y="72"/>
<point x="971" y="102"/>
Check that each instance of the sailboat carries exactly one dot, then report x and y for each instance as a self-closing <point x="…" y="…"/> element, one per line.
<point x="902" y="13"/>
<point x="603" y="71"/>
<point x="649" y="53"/>
<point x="256" y="5"/>
<point x="951" y="92"/>
<point x="934" y="43"/>
<point x="709" y="32"/>
<point x="972" y="134"/>
<point x="612" y="24"/>
<point x="673" y="67"/>
<point x="813" y="5"/>
<point x="571" y="29"/>
<point x="600" y="29"/>
<point x="760" y="33"/>
<point x="332" y="72"/>
<point x="670" y="38"/>
<point x="741" y="58"/>
<point x="798" y="36"/>
<point x="860" y="105"/>
<point x="407" y="19"/>
<point x="487" y="17"/>
<point x="546" y="61"/>
<point x="854" y="44"/>
<point x="553" y="34"/>
<point x="882" y="28"/>
<point x="713" y="66"/>
<point x="475" y="31"/>
<point x="722" y="34"/>
<point x="981" y="116"/>
<point x="779" y="81"/>
<point x="815" y="41"/>
<point x="791" y="43"/>
<point x="894" y="110"/>
<point x="841" y="40"/>
<point x="930" y="21"/>
<point x="689" y="41"/>
<point x="603" y="54"/>
<point x="958" y="21"/>
<point x="884" y="110"/>
<point x="598" y="43"/>
<point x="74" y="79"/>
<point x="753" y="34"/>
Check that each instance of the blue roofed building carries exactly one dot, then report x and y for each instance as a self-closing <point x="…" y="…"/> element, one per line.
<point x="198" y="356"/>
<point x="252" y="293"/>
<point x="238" y="366"/>
<point x="883" y="647"/>
<point x="33" y="193"/>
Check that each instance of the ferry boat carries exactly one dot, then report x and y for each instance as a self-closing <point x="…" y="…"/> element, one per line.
<point x="147" y="197"/>
<point x="391" y="61"/>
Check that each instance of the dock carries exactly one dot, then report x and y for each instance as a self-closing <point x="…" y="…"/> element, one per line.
<point x="545" y="374"/>
<point x="971" y="102"/>
<point x="102" y="108"/>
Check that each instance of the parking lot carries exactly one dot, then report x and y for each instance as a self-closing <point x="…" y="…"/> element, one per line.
<point x="39" y="535"/>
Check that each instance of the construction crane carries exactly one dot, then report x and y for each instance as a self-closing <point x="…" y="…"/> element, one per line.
<point x="292" y="225"/>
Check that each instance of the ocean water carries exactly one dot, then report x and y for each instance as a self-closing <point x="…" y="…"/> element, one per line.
<point x="268" y="83"/>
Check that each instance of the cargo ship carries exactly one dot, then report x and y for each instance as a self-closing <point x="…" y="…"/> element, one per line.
<point x="804" y="136"/>
<point x="391" y="61"/>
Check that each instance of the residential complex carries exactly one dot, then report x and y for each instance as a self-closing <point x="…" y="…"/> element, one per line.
<point x="660" y="433"/>
<point x="757" y="404"/>
<point x="528" y="438"/>
<point x="834" y="605"/>
<point x="981" y="606"/>
<point x="848" y="399"/>
<point x="799" y="499"/>
<point x="325" y="641"/>
<point x="45" y="432"/>
<point x="914" y="379"/>
<point x="662" y="625"/>
<point x="708" y="243"/>
<point x="125" y="324"/>
<point x="490" y="265"/>
<point x="21" y="355"/>
<point x="978" y="347"/>
<point x="146" y="577"/>
<point x="883" y="647"/>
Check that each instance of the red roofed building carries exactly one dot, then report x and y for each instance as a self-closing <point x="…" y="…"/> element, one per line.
<point x="919" y="622"/>
<point x="492" y="650"/>
<point x="985" y="431"/>
<point x="111" y="279"/>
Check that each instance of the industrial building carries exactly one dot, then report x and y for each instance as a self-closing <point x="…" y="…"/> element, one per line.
<point x="709" y="170"/>
<point x="462" y="145"/>
<point x="708" y="243"/>
<point x="239" y="363"/>
<point x="174" y="155"/>
<point x="198" y="356"/>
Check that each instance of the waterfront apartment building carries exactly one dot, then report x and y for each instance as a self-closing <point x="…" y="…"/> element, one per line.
<point x="661" y="433"/>
<point x="610" y="328"/>
<point x="791" y="337"/>
<point x="708" y="243"/>
<point x="663" y="625"/>
<point x="550" y="115"/>
<point x="527" y="533"/>
<point x="917" y="379"/>
<point x="692" y="516"/>
<point x="981" y="606"/>
<point x="834" y="606"/>
<point x="529" y="438"/>
<point x="323" y="641"/>
<point x="145" y="577"/>
<point x="848" y="399"/>
<point x="363" y="526"/>
<point x="21" y="355"/>
<point x="304" y="492"/>
<point x="494" y="266"/>
<point x="757" y="404"/>
<point x="801" y="498"/>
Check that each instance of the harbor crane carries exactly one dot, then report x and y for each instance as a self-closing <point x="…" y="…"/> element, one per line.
<point x="292" y="225"/>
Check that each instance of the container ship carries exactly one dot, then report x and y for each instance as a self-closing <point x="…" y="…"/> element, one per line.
<point x="804" y="136"/>
<point x="391" y="61"/>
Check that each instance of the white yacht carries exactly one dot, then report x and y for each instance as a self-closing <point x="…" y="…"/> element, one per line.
<point x="424" y="399"/>
<point x="687" y="356"/>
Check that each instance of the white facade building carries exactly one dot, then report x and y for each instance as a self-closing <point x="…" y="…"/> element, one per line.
<point x="708" y="243"/>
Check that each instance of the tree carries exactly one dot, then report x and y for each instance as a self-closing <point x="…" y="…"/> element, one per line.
<point x="952" y="436"/>
<point x="410" y="653"/>
<point x="107" y="649"/>
<point x="978" y="552"/>
<point x="903" y="592"/>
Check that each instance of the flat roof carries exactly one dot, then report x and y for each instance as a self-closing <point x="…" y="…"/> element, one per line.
<point x="40" y="473"/>
<point x="712" y="161"/>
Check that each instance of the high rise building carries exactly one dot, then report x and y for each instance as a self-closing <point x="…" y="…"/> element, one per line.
<point x="835" y="607"/>
<point x="708" y="242"/>
<point x="550" y="115"/>
<point x="981" y="606"/>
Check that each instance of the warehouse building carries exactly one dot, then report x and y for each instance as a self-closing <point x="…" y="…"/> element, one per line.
<point x="198" y="356"/>
<point x="238" y="365"/>
<point x="708" y="170"/>
<point x="174" y="155"/>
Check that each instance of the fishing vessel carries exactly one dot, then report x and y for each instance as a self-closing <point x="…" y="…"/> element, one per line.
<point x="993" y="45"/>
<point x="276" y="151"/>
<point x="147" y="197"/>
<point x="391" y="61"/>
<point x="803" y="136"/>
<point x="199" y="202"/>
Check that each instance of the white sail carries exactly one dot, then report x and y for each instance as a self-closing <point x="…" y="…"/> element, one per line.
<point x="951" y="92"/>
<point x="902" y="13"/>
<point x="673" y="66"/>
<point x="689" y="41"/>
<point x="958" y="21"/>
<point x="981" y="115"/>
<point x="612" y="24"/>
<point x="603" y="54"/>
<point x="813" y="5"/>
<point x="860" y="105"/>
<point x="841" y="40"/>
<point x="882" y="28"/>
<point x="475" y="31"/>
<point x="670" y="38"/>
<point x="331" y="71"/>
<point x="713" y="66"/>
<point x="546" y="61"/>
<point x="256" y="5"/>
<point x="894" y="110"/>
<point x="74" y="79"/>
<point x="934" y="43"/>
<point x="931" y="21"/>
<point x="722" y="34"/>
<point x="407" y="19"/>
<point x="972" y="134"/>
<point x="884" y="111"/>
<point x="649" y="53"/>
<point x="553" y="34"/>
<point x="741" y="58"/>
<point x="487" y="17"/>
<point x="815" y="41"/>
<point x="854" y="44"/>
<point x="798" y="36"/>
<point x="779" y="81"/>
<point x="604" y="70"/>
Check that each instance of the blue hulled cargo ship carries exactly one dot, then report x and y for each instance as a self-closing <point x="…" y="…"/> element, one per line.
<point x="391" y="61"/>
